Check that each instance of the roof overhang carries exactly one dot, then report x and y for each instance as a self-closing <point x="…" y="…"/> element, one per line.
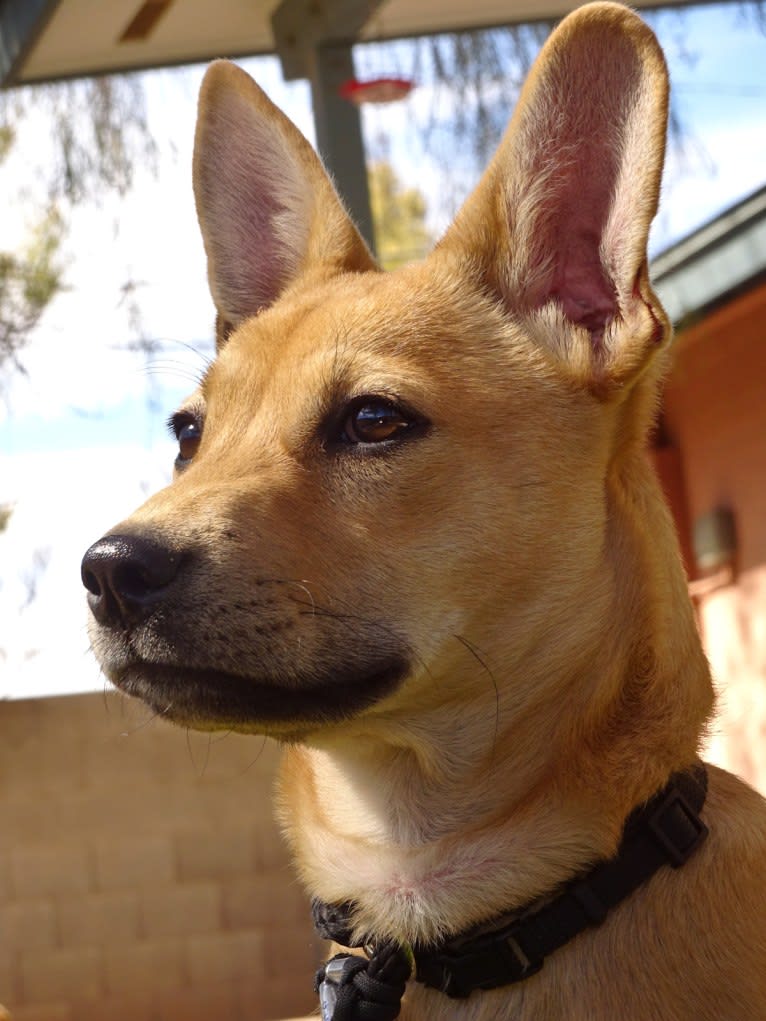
<point x="42" y="40"/>
<point x="717" y="261"/>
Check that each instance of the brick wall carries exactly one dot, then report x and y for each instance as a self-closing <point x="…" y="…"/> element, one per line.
<point x="141" y="874"/>
<point x="716" y="415"/>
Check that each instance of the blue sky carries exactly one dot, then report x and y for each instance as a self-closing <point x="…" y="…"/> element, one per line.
<point x="82" y="435"/>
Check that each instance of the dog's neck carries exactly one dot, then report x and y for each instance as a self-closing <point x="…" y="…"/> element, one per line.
<point x="430" y="821"/>
<point x="427" y="845"/>
<point x="388" y="785"/>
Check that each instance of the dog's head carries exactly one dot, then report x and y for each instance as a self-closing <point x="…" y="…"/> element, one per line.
<point x="383" y="474"/>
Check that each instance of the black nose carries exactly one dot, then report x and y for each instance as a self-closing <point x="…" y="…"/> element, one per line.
<point x="126" y="577"/>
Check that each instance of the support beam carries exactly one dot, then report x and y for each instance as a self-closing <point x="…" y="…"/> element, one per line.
<point x="339" y="131"/>
<point x="21" y="22"/>
<point x="299" y="26"/>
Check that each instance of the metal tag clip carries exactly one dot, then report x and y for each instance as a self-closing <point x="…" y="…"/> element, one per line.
<point x="328" y="987"/>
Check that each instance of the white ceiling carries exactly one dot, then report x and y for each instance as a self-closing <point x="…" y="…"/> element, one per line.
<point x="83" y="36"/>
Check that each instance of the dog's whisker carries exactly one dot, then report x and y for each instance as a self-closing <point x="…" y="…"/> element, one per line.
<point x="355" y="618"/>
<point x="174" y="371"/>
<point x="206" y="359"/>
<point x="143" y="724"/>
<point x="199" y="771"/>
<point x="346" y="618"/>
<point x="474" y="651"/>
<point x="390" y="632"/>
<point x="179" y="370"/>
<point x="304" y="588"/>
<point x="218" y="737"/>
<point x="261" y="750"/>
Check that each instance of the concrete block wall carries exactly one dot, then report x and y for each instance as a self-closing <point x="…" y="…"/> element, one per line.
<point x="141" y="874"/>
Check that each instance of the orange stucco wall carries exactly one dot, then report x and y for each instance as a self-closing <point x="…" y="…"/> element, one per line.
<point x="715" y="415"/>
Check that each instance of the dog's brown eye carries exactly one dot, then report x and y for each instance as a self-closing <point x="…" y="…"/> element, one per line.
<point x="188" y="441"/>
<point x="375" y="420"/>
<point x="188" y="432"/>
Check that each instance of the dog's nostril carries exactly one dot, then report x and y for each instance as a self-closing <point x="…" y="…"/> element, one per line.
<point x="90" y="581"/>
<point x="135" y="580"/>
<point x="126" y="576"/>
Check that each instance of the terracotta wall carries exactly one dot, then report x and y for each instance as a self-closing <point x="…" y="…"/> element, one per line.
<point x="715" y="412"/>
<point x="141" y="874"/>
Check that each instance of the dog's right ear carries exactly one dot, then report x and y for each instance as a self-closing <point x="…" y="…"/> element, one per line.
<point x="558" y="225"/>
<point x="267" y="209"/>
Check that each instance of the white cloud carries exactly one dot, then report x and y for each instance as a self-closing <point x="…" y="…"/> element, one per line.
<point x="62" y="503"/>
<point x="733" y="166"/>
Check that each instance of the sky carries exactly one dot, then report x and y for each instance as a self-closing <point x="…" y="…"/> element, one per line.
<point x="82" y="432"/>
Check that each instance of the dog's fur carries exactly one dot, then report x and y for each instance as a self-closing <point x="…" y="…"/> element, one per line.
<point x="474" y="637"/>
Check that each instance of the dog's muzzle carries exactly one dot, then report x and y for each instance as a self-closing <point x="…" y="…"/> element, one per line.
<point x="239" y="671"/>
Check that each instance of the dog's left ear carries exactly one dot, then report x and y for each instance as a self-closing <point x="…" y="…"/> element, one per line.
<point x="267" y="209"/>
<point x="558" y="225"/>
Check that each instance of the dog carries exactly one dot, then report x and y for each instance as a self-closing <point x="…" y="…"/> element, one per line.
<point x="414" y="535"/>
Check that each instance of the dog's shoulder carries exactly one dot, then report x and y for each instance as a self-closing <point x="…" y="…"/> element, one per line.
<point x="719" y="910"/>
<point x="736" y="845"/>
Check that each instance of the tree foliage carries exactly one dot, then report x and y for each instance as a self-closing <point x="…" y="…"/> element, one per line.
<point x="478" y="75"/>
<point x="29" y="279"/>
<point x="97" y="133"/>
<point x="473" y="80"/>
<point x="398" y="215"/>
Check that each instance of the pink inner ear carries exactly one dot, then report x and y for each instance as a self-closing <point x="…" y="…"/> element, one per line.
<point x="258" y="263"/>
<point x="247" y="203"/>
<point x="580" y="206"/>
<point x="580" y="285"/>
<point x="253" y="204"/>
<point x="576" y="129"/>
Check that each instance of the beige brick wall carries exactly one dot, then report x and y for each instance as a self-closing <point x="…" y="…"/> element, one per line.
<point x="141" y="874"/>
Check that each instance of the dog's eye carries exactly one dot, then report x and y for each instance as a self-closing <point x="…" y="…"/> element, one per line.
<point x="188" y="441"/>
<point x="375" y="420"/>
<point x="188" y="432"/>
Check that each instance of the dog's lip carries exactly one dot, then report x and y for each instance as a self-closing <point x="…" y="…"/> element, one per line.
<point x="209" y="699"/>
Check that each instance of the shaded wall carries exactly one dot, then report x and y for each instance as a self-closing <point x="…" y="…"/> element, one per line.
<point x="141" y="874"/>
<point x="715" y="411"/>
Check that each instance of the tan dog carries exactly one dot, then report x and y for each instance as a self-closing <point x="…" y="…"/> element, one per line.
<point x="415" y="536"/>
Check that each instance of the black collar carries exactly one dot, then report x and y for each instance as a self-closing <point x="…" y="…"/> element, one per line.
<point x="665" y="831"/>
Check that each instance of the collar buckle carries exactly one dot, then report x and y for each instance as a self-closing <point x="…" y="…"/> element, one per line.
<point x="677" y="827"/>
<point x="525" y="963"/>
<point x="485" y="963"/>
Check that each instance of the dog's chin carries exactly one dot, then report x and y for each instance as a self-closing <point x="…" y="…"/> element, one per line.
<point x="212" y="700"/>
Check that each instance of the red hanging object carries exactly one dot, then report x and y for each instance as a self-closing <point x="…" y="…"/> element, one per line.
<point x="385" y="89"/>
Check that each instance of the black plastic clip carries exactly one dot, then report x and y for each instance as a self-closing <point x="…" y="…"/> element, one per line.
<point x="493" y="961"/>
<point x="677" y="828"/>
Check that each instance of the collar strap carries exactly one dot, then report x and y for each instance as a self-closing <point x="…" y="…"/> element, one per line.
<point x="667" y="830"/>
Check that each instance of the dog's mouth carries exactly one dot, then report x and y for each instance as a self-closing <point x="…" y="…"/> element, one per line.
<point x="211" y="700"/>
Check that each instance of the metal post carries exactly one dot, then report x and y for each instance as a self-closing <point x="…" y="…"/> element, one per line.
<point x="339" y="131"/>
